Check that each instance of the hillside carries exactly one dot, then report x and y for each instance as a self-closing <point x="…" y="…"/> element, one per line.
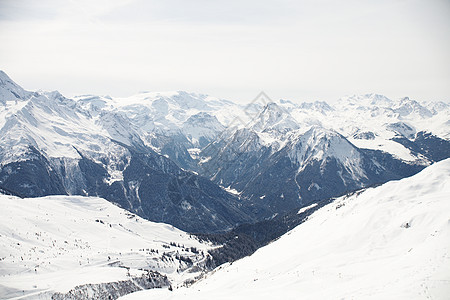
<point x="56" y="243"/>
<point x="388" y="242"/>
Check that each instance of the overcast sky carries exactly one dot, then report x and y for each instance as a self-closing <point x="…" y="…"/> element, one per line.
<point x="300" y="50"/>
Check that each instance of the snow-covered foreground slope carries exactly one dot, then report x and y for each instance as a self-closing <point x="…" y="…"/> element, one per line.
<point x="388" y="242"/>
<point x="53" y="244"/>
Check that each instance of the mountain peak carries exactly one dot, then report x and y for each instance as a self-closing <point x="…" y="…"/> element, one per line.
<point x="318" y="143"/>
<point x="9" y="90"/>
<point x="5" y="80"/>
<point x="273" y="117"/>
<point x="3" y="74"/>
<point x="409" y="106"/>
<point x="271" y="106"/>
<point x="320" y="106"/>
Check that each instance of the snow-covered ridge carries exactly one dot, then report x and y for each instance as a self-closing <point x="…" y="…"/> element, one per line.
<point x="54" y="123"/>
<point x="388" y="242"/>
<point x="169" y="112"/>
<point x="53" y="244"/>
<point x="318" y="144"/>
<point x="11" y="91"/>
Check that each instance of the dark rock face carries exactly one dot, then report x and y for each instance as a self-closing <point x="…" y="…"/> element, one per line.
<point x="31" y="177"/>
<point x="364" y="135"/>
<point x="153" y="187"/>
<point x="282" y="187"/>
<point x="161" y="192"/>
<point x="175" y="147"/>
<point x="271" y="182"/>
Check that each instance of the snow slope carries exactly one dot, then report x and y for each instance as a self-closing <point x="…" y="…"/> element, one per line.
<point x="388" y="242"/>
<point x="53" y="244"/>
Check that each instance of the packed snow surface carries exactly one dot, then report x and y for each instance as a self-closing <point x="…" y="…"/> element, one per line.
<point x="388" y="242"/>
<point x="53" y="244"/>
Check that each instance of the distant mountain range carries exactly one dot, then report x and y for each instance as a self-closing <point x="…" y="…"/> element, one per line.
<point x="205" y="164"/>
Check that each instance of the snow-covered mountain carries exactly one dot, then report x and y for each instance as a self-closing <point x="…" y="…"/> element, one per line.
<point x="388" y="242"/>
<point x="144" y="152"/>
<point x="273" y="119"/>
<point x="291" y="154"/>
<point x="171" y="123"/>
<point x="77" y="246"/>
<point x="168" y="113"/>
<point x="372" y="121"/>
<point x="53" y="145"/>
<point x="280" y="175"/>
<point x="10" y="91"/>
<point x="208" y="165"/>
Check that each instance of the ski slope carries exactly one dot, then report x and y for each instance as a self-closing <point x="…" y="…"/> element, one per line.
<point x="55" y="243"/>
<point x="388" y="242"/>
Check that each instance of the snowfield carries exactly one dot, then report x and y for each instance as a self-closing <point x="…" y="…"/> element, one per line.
<point x="388" y="242"/>
<point x="55" y="243"/>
